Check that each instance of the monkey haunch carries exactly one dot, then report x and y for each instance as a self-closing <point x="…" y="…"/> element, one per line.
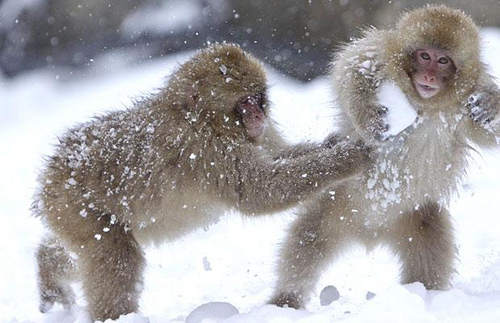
<point x="433" y="56"/>
<point x="171" y="164"/>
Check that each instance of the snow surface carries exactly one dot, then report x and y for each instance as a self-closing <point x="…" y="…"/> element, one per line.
<point x="234" y="260"/>
<point x="212" y="312"/>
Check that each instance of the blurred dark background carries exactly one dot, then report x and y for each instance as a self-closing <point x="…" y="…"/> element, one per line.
<point x="295" y="36"/>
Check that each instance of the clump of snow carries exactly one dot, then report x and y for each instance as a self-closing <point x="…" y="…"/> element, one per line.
<point x="223" y="69"/>
<point x="400" y="112"/>
<point x="212" y="312"/>
<point x="370" y="295"/>
<point x="417" y="288"/>
<point x="130" y="318"/>
<point x="274" y="314"/>
<point x="206" y="264"/>
<point x="328" y="295"/>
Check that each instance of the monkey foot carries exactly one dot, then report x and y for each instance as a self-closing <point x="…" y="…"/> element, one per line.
<point x="287" y="300"/>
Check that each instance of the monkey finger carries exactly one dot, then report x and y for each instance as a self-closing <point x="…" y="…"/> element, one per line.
<point x="480" y="111"/>
<point x="476" y="110"/>
<point x="481" y="117"/>
<point x="331" y="140"/>
<point x="474" y="99"/>
<point x="470" y="105"/>
<point x="382" y="110"/>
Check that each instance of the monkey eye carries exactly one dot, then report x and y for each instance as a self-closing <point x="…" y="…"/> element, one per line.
<point x="443" y="60"/>
<point x="262" y="100"/>
<point x="254" y="100"/>
<point x="425" y="56"/>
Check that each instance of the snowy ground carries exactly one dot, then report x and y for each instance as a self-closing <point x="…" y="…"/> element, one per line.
<point x="232" y="261"/>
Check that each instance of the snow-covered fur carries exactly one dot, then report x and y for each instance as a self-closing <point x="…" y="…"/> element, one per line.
<point x="400" y="201"/>
<point x="172" y="163"/>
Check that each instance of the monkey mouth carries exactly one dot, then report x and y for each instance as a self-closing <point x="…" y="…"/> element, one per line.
<point x="426" y="91"/>
<point x="255" y="131"/>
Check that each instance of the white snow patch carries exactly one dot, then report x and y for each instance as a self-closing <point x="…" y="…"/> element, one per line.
<point x="213" y="312"/>
<point x="400" y="112"/>
<point x="130" y="318"/>
<point x="328" y="295"/>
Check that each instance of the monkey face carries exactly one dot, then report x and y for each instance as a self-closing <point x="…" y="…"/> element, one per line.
<point x="251" y="110"/>
<point x="433" y="69"/>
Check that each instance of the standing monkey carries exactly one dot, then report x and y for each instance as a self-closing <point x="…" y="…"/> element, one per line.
<point x="432" y="55"/>
<point x="171" y="164"/>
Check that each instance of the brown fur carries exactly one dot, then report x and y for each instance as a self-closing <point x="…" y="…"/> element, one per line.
<point x="173" y="163"/>
<point x="405" y="194"/>
<point x="56" y="270"/>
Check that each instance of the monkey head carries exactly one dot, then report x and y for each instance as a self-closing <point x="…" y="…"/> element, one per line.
<point x="223" y="88"/>
<point x="433" y="55"/>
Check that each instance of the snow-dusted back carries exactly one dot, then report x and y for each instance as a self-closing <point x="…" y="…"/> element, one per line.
<point x="241" y="265"/>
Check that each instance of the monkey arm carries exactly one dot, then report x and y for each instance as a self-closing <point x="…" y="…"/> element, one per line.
<point x="302" y="149"/>
<point x="276" y="146"/>
<point x="482" y="124"/>
<point x="357" y="74"/>
<point x="269" y="187"/>
<point x="297" y="151"/>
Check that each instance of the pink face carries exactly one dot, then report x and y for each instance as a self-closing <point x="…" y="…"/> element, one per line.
<point x="251" y="111"/>
<point x="433" y="69"/>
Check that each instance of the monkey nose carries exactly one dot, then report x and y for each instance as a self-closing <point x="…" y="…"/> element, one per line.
<point x="430" y="78"/>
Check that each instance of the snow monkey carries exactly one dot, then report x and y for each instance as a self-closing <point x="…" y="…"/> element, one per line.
<point x="432" y="56"/>
<point x="172" y="163"/>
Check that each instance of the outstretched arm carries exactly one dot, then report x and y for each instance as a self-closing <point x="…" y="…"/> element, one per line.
<point x="302" y="149"/>
<point x="269" y="187"/>
<point x="357" y="75"/>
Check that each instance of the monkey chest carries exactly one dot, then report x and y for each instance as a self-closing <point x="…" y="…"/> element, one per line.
<point x="423" y="165"/>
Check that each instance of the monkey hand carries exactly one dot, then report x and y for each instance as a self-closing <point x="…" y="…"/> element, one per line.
<point x="377" y="125"/>
<point x="331" y="140"/>
<point x="482" y="107"/>
<point x="358" y="152"/>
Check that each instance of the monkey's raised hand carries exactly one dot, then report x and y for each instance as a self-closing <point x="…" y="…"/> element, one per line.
<point x="482" y="107"/>
<point x="376" y="122"/>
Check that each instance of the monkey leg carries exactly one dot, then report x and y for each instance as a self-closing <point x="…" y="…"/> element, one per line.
<point x="424" y="242"/>
<point x="111" y="264"/>
<point x="55" y="271"/>
<point x="312" y="240"/>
